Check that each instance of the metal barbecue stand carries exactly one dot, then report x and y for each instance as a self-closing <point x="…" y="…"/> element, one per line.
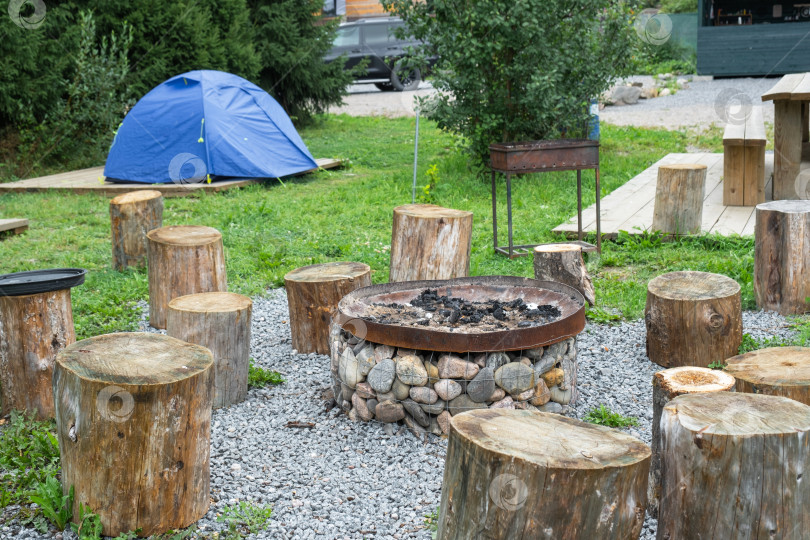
<point x="543" y="156"/>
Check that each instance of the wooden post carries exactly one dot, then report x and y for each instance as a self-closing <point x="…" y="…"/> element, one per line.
<point x="133" y="418"/>
<point x="679" y="198"/>
<point x="563" y="263"/>
<point x="33" y="329"/>
<point x="782" y="256"/>
<point x="313" y="293"/>
<point x="132" y="215"/>
<point x="183" y="260"/>
<point x="667" y="385"/>
<point x="430" y="242"/>
<point x="732" y="467"/>
<point x="692" y="319"/>
<point x="787" y="148"/>
<point x="513" y="474"/>
<point x="805" y="121"/>
<point x="776" y="371"/>
<point x="219" y="321"/>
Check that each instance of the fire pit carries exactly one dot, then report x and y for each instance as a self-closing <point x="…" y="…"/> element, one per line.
<point x="422" y="351"/>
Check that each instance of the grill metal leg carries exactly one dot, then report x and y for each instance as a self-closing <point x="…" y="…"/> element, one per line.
<point x="579" y="204"/>
<point x="494" y="216"/>
<point x="509" y="209"/>
<point x="598" y="216"/>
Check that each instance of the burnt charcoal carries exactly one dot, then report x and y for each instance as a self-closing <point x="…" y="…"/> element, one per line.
<point x="445" y="312"/>
<point x="430" y="308"/>
<point x="454" y="317"/>
<point x="499" y="314"/>
<point x="476" y="317"/>
<point x="525" y="324"/>
<point x="523" y="307"/>
<point x="423" y="322"/>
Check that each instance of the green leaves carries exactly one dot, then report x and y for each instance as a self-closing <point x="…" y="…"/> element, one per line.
<point x="259" y="377"/>
<point x="244" y="518"/>
<point x="55" y="506"/>
<point x="603" y="416"/>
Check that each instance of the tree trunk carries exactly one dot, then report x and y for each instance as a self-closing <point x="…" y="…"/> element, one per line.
<point x="692" y="319"/>
<point x="667" y="385"/>
<point x="183" y="260"/>
<point x="133" y="418"/>
<point x="732" y="467"/>
<point x="219" y="321"/>
<point x="679" y="198"/>
<point x="563" y="263"/>
<point x="430" y="242"/>
<point x="313" y="293"/>
<point x="782" y="256"/>
<point x="521" y="475"/>
<point x="777" y="371"/>
<point x="132" y="215"/>
<point x="33" y="329"/>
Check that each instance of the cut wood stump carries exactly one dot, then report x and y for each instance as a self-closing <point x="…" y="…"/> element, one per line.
<point x="667" y="385"/>
<point x="132" y="215"/>
<point x="679" y="198"/>
<point x="133" y="419"/>
<point x="33" y="329"/>
<point x="516" y="474"/>
<point x="183" y="260"/>
<point x="692" y="319"/>
<point x="732" y="467"/>
<point x="563" y="263"/>
<point x="430" y="242"/>
<point x="219" y="321"/>
<point x="776" y="371"/>
<point x="313" y="293"/>
<point x="782" y="256"/>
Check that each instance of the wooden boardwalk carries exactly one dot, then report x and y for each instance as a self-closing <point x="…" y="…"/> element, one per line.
<point x="12" y="226"/>
<point x="92" y="181"/>
<point x="630" y="207"/>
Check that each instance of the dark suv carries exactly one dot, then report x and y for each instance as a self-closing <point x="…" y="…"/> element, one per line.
<point x="376" y="41"/>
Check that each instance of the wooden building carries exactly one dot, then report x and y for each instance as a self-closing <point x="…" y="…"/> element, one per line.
<point x="354" y="9"/>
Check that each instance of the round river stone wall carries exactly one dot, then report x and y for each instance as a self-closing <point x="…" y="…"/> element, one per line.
<point x="423" y="389"/>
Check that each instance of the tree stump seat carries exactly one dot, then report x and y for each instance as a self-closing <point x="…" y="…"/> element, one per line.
<point x="776" y="371"/>
<point x="563" y="263"/>
<point x="132" y="215"/>
<point x="678" y="205"/>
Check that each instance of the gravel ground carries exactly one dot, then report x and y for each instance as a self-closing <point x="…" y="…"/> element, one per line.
<point x="349" y="480"/>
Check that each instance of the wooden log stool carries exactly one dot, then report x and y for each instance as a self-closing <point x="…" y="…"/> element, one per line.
<point x="133" y="418"/>
<point x="692" y="319"/>
<point x="313" y="293"/>
<point x="776" y="371"/>
<point x="564" y="264"/>
<point x="667" y="385"/>
<point x="513" y="474"/>
<point x="132" y="215"/>
<point x="782" y="256"/>
<point x="183" y="260"/>
<point x="219" y="321"/>
<point x="679" y="198"/>
<point x="732" y="467"/>
<point x="430" y="242"/>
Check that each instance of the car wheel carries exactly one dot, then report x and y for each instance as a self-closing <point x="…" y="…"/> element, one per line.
<point x="384" y="86"/>
<point x="403" y="78"/>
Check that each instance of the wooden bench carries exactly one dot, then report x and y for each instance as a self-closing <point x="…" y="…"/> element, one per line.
<point x="744" y="161"/>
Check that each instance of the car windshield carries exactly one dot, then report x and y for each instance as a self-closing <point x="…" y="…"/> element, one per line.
<point x="376" y="34"/>
<point x="347" y="36"/>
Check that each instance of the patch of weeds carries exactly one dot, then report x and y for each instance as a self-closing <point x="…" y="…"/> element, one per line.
<point x="54" y="505"/>
<point x="601" y="315"/>
<point x="89" y="526"/>
<point x="428" y="195"/>
<point x="432" y="522"/>
<point x="172" y="535"/>
<point x="640" y="240"/>
<point x="749" y="343"/>
<point x="603" y="416"/>
<point x="244" y="518"/>
<point x="718" y="364"/>
<point x="259" y="377"/>
<point x="29" y="456"/>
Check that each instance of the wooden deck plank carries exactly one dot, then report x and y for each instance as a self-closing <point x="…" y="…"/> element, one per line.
<point x="12" y="226"/>
<point x="784" y="88"/>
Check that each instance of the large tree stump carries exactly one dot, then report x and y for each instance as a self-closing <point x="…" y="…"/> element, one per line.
<point x="430" y="242"/>
<point x="515" y="474"/>
<point x="679" y="198"/>
<point x="183" y="260"/>
<point x="33" y="329"/>
<point x="132" y="215"/>
<point x="732" y="467"/>
<point x="667" y="385"/>
<point x="776" y="371"/>
<point x="133" y="418"/>
<point x="782" y="256"/>
<point x="313" y="293"/>
<point x="692" y="319"/>
<point x="563" y="263"/>
<point x="219" y="321"/>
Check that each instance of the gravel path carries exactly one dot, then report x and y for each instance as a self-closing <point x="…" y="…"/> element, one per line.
<point x="343" y="479"/>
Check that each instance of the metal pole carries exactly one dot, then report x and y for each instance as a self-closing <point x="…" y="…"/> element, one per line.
<point x="415" y="158"/>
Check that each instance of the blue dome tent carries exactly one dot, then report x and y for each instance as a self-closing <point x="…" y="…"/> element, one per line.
<point x="204" y="125"/>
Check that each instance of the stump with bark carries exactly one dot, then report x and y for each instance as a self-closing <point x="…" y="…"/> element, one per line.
<point x="732" y="467"/>
<point x="667" y="385"/>
<point x="313" y="293"/>
<point x="430" y="242"/>
<point x="133" y="419"/>
<point x="516" y="474"/>
<point x="692" y="319"/>
<point x="679" y="198"/>
<point x="132" y="215"/>
<point x="33" y="329"/>
<point x="183" y="260"/>
<point x="776" y="371"/>
<point x="782" y="256"/>
<point x="563" y="263"/>
<point x="219" y="321"/>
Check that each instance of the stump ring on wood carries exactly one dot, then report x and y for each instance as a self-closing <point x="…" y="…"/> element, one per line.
<point x="776" y="371"/>
<point x="132" y="215"/>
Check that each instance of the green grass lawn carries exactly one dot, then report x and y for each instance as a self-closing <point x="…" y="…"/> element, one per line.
<point x="345" y="214"/>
